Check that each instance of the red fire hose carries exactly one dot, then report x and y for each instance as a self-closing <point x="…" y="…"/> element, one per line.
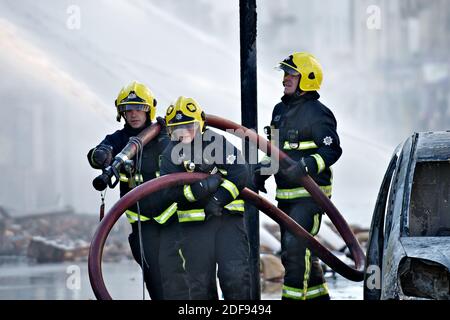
<point x="99" y="239"/>
<point x="316" y="193"/>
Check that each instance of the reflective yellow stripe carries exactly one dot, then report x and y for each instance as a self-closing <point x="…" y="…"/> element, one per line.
<point x="231" y="187"/>
<point x="191" y="215"/>
<point x="266" y="160"/>
<point x="302" y="145"/>
<point x="320" y="162"/>
<point x="236" y="205"/>
<point x="188" y="193"/>
<point x="315" y="228"/>
<point x="293" y="293"/>
<point x="317" y="291"/>
<point x="133" y="216"/>
<point x="157" y="174"/>
<point x="163" y="217"/>
<point x="223" y="172"/>
<point x="287" y="194"/>
<point x="307" y="269"/>
<point x="138" y="178"/>
<point x="180" y="253"/>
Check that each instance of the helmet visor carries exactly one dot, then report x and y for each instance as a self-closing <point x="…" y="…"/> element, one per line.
<point x="183" y="132"/>
<point x="129" y="107"/>
<point x="287" y="69"/>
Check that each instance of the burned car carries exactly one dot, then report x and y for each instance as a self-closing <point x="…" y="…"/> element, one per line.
<point x="408" y="255"/>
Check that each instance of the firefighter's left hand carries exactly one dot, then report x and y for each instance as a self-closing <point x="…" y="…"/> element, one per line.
<point x="296" y="171"/>
<point x="213" y="208"/>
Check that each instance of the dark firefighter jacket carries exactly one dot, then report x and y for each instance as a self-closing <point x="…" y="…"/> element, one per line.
<point x="149" y="169"/>
<point x="307" y="129"/>
<point x="225" y="159"/>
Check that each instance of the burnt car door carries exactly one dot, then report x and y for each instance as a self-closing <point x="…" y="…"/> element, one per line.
<point x="372" y="277"/>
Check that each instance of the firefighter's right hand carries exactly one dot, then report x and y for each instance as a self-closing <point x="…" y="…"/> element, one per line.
<point x="102" y="156"/>
<point x="205" y="187"/>
<point x="259" y="180"/>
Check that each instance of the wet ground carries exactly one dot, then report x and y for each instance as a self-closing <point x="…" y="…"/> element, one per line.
<point x="70" y="281"/>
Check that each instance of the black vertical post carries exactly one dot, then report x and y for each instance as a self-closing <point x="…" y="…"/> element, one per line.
<point x="249" y="118"/>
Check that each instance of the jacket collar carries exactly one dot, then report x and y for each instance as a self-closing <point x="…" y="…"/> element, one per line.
<point x="298" y="98"/>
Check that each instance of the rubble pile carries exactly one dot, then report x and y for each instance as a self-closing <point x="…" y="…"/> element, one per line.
<point x="59" y="236"/>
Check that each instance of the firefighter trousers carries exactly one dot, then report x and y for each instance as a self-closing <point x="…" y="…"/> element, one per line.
<point x="172" y="263"/>
<point x="223" y="241"/>
<point x="303" y="278"/>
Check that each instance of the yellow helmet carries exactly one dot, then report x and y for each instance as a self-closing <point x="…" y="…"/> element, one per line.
<point x="185" y="111"/>
<point x="307" y="66"/>
<point x="136" y="96"/>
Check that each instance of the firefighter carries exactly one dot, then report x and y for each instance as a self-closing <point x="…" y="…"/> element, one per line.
<point x="307" y="134"/>
<point x="137" y="105"/>
<point x="210" y="212"/>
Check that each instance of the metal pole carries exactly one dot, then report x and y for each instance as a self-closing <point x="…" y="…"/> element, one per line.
<point x="249" y="119"/>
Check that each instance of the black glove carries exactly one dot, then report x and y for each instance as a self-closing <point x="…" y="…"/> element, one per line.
<point x="162" y="122"/>
<point x="296" y="171"/>
<point x="205" y="187"/>
<point x="213" y="208"/>
<point x="102" y="155"/>
<point x="259" y="180"/>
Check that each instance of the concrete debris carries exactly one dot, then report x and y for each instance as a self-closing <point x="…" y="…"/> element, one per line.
<point x="44" y="250"/>
<point x="274" y="229"/>
<point x="268" y="242"/>
<point x="59" y="236"/>
<point x="272" y="273"/>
